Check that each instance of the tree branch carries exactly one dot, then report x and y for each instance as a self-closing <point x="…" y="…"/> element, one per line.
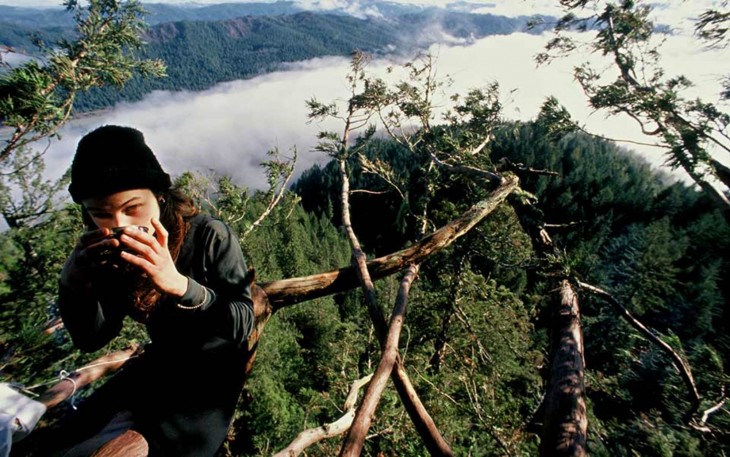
<point x="681" y="365"/>
<point x="712" y="410"/>
<point x="82" y="377"/>
<point x="506" y="164"/>
<point x="275" y="198"/>
<point x="356" y="435"/>
<point x="314" y="435"/>
<point x="286" y="292"/>
<point x="465" y="169"/>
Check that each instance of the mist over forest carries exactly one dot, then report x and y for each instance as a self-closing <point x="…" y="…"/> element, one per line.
<point x="232" y="121"/>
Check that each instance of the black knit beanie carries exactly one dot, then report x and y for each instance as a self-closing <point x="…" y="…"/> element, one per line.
<point x="112" y="159"/>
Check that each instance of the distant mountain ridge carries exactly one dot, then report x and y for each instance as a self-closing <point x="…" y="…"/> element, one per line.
<point x="158" y="13"/>
<point x="202" y="53"/>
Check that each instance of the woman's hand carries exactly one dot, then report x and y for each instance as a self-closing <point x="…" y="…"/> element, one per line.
<point x="86" y="257"/>
<point x="152" y="255"/>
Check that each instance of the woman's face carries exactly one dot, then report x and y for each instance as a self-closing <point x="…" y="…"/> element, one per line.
<point x="128" y="207"/>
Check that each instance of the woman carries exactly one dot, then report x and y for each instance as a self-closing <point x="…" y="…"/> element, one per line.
<point x="179" y="273"/>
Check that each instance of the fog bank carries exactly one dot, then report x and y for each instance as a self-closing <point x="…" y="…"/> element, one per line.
<point x="230" y="127"/>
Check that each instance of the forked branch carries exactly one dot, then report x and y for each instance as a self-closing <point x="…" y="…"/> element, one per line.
<point x="356" y="435"/>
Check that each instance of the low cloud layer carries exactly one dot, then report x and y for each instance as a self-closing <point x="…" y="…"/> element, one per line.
<point x="230" y="127"/>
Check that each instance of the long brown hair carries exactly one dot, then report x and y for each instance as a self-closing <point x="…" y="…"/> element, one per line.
<point x="176" y="210"/>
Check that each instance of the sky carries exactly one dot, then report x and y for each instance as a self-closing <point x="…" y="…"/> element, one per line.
<point x="230" y="127"/>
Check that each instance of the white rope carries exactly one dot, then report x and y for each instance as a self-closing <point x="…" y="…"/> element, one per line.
<point x="108" y="362"/>
<point x="64" y="375"/>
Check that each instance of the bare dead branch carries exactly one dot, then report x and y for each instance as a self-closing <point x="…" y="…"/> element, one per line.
<point x="422" y="420"/>
<point x="682" y="366"/>
<point x="481" y="146"/>
<point x="314" y="435"/>
<point x="357" y="433"/>
<point x="275" y="198"/>
<point x="465" y="169"/>
<point x="369" y="192"/>
<point x="712" y="410"/>
<point x="286" y="292"/>
<point x="568" y="225"/>
<point x="622" y="140"/>
<point x="506" y="164"/>
<point x="464" y="319"/>
<point x="436" y="388"/>
<point x="382" y="171"/>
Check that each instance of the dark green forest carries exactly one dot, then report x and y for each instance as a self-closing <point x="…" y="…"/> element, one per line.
<point x="203" y="52"/>
<point x="157" y="13"/>
<point x="477" y="327"/>
<point x="660" y="247"/>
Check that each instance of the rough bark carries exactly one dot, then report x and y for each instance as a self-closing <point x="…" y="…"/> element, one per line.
<point x="565" y="423"/>
<point x="128" y="444"/>
<point x="566" y="420"/>
<point x="263" y="311"/>
<point x="356" y="435"/>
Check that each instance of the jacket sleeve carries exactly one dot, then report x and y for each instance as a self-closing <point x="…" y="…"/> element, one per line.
<point x="91" y="323"/>
<point x="222" y="292"/>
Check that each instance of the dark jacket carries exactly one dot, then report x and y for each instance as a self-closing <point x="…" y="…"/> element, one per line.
<point x="183" y="390"/>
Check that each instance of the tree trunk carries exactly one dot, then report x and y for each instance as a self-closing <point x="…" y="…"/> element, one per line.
<point x="566" y="420"/>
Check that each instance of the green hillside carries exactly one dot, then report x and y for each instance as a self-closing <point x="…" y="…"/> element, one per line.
<point x="200" y="54"/>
